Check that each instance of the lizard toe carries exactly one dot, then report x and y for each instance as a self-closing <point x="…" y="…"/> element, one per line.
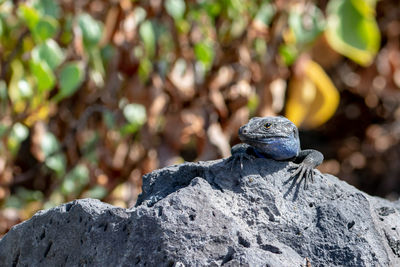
<point x="239" y="158"/>
<point x="312" y="175"/>
<point x="302" y="174"/>
<point x="305" y="184"/>
<point x="307" y="175"/>
<point x="297" y="171"/>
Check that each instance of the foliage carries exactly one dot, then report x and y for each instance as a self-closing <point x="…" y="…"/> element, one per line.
<point x="94" y="94"/>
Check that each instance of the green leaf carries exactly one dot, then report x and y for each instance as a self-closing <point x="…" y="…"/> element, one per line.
<point x="27" y="195"/>
<point x="57" y="164"/>
<point x="20" y="92"/>
<point x="49" y="144"/>
<point x="97" y="192"/>
<point x="44" y="75"/>
<point x="204" y="53"/>
<point x="109" y="119"/>
<point x="1" y="27"/>
<point x="175" y="8"/>
<point x="288" y="53"/>
<point x="306" y="25"/>
<point x="235" y="7"/>
<point x="47" y="7"/>
<point x="19" y="88"/>
<point x="54" y="159"/>
<point x="75" y="180"/>
<point x="213" y="9"/>
<point x="29" y="15"/>
<point x="140" y="14"/>
<point x="129" y="129"/>
<point x="24" y="89"/>
<point x="3" y="130"/>
<point x="55" y="199"/>
<point x="252" y="103"/>
<point x="3" y="90"/>
<point x="97" y="70"/>
<point x="42" y="26"/>
<point x="66" y="32"/>
<point x="19" y="133"/>
<point x="265" y="13"/>
<point x="46" y="28"/>
<point x="239" y="25"/>
<point x="22" y="197"/>
<point x="107" y="53"/>
<point x="91" y="30"/>
<point x="89" y="148"/>
<point x="352" y="30"/>
<point x="13" y="201"/>
<point x="147" y="34"/>
<point x="260" y="47"/>
<point x="3" y="101"/>
<point x="135" y="113"/>
<point x="183" y="27"/>
<point x="48" y="52"/>
<point x="371" y="3"/>
<point x="145" y="69"/>
<point x="71" y="77"/>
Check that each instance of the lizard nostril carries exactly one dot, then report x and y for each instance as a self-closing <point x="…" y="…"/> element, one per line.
<point x="244" y="131"/>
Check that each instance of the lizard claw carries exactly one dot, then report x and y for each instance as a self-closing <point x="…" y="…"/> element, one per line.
<point x="240" y="152"/>
<point x="239" y="157"/>
<point x="304" y="173"/>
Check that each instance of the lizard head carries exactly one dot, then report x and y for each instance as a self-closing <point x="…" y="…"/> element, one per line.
<point x="277" y="137"/>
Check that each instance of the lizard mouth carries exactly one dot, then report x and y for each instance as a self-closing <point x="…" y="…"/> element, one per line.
<point x="263" y="139"/>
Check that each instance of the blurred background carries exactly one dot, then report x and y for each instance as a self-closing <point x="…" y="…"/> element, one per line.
<point x="94" y="94"/>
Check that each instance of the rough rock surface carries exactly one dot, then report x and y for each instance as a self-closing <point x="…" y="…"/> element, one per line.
<point x="208" y="213"/>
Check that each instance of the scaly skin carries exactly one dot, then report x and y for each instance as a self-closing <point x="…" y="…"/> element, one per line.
<point x="276" y="138"/>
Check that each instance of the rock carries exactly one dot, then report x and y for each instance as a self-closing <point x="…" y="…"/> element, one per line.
<point x="210" y="214"/>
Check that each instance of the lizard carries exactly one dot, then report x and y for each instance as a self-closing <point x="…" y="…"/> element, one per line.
<point x="276" y="138"/>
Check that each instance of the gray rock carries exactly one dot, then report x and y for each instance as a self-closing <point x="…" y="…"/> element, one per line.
<point x="208" y="213"/>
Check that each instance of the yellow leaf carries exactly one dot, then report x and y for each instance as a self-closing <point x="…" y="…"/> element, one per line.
<point x="352" y="30"/>
<point x="313" y="98"/>
<point x="289" y="37"/>
<point x="41" y="113"/>
<point x="301" y="94"/>
<point x="327" y="97"/>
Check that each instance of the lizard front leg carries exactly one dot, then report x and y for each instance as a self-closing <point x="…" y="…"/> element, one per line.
<point x="240" y="152"/>
<point x="307" y="160"/>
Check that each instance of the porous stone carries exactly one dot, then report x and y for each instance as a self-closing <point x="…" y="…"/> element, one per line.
<point x="214" y="213"/>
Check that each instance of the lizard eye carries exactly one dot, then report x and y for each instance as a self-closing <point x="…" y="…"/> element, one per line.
<point x="267" y="125"/>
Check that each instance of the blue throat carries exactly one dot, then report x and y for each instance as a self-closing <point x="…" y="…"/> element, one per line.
<point x="278" y="148"/>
